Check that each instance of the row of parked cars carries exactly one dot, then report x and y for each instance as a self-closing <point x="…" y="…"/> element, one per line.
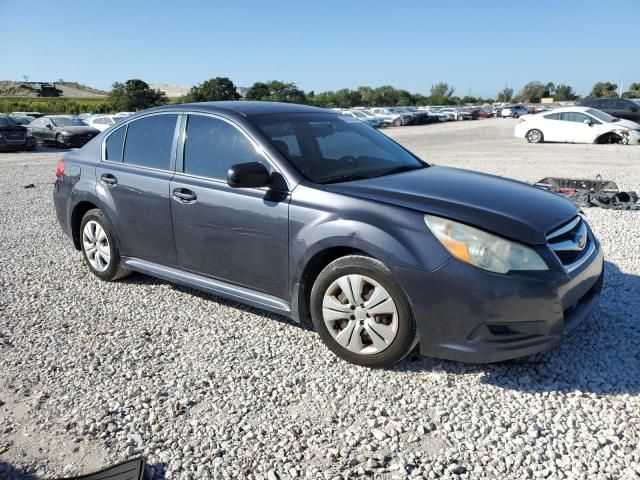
<point x="397" y="116"/>
<point x="26" y="130"/>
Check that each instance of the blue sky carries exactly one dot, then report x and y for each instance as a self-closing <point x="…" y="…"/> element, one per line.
<point x="476" y="46"/>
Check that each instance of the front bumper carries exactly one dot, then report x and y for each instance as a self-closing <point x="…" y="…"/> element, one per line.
<point x="466" y="314"/>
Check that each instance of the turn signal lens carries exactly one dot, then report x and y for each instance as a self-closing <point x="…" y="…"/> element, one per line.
<point x="60" y="169"/>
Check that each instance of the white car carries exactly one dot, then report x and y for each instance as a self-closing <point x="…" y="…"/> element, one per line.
<point x="371" y="121"/>
<point x="102" y="122"/>
<point x="514" y="111"/>
<point x="577" y="125"/>
<point x="391" y="117"/>
<point x="455" y="113"/>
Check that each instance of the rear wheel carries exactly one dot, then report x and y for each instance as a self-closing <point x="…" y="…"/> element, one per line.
<point x="60" y="141"/>
<point x="99" y="247"/>
<point x="361" y="313"/>
<point x="535" y="136"/>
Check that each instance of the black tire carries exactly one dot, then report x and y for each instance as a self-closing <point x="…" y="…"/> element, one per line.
<point x="406" y="336"/>
<point x="515" y="115"/>
<point x="114" y="271"/>
<point x="59" y="142"/>
<point x="533" y="137"/>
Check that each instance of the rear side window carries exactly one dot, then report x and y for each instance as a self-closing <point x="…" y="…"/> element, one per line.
<point x="552" y="116"/>
<point x="213" y="145"/>
<point x="574" y="117"/>
<point x="149" y="141"/>
<point x="113" y="145"/>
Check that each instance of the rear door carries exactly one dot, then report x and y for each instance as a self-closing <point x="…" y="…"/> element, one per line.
<point x="133" y="183"/>
<point x="238" y="235"/>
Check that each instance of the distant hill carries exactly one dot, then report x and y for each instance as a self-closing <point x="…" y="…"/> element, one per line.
<point x="10" y="88"/>
<point x="171" y="90"/>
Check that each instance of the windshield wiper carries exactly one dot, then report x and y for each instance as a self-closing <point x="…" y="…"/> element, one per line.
<point x="343" y="178"/>
<point x="402" y="169"/>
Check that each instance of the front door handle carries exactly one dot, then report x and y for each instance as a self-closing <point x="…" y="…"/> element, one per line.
<point x="184" y="195"/>
<point x="108" y="178"/>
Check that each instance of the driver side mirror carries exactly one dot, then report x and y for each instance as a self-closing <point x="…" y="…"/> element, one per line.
<point x="588" y="122"/>
<point x="248" y="175"/>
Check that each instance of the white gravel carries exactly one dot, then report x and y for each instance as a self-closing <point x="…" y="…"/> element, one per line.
<point x="93" y="373"/>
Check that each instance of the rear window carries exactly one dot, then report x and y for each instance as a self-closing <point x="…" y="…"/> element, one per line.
<point x="6" y="122"/>
<point x="114" y="144"/>
<point x="149" y="141"/>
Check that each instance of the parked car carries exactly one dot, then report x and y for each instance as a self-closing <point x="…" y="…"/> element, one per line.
<point x="456" y="113"/>
<point x="391" y="117"/>
<point x="22" y="120"/>
<point x="62" y="131"/>
<point x="577" y="125"/>
<point x="434" y="111"/>
<point x="368" y="114"/>
<point x="14" y="136"/>
<point x="626" y="108"/>
<point x="369" y="120"/>
<point x="102" y="122"/>
<point x="299" y="211"/>
<point x="514" y="111"/>
<point x="420" y="117"/>
<point x="26" y="114"/>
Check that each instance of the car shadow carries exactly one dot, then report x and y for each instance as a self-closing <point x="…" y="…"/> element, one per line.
<point x="141" y="279"/>
<point x="9" y="472"/>
<point x="601" y="356"/>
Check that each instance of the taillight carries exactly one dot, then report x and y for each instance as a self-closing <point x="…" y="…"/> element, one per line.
<point x="60" y="169"/>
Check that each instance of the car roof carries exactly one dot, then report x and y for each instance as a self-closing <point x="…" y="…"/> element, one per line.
<point x="245" y="108"/>
<point x="571" y="109"/>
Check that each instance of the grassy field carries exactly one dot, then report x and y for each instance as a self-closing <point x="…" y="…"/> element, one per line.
<point x="53" y="105"/>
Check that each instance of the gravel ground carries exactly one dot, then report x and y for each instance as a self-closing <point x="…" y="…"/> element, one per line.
<point x="94" y="373"/>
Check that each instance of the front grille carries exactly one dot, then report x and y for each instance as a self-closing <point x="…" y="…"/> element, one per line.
<point x="572" y="243"/>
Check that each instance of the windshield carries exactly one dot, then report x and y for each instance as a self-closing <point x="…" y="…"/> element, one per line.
<point x="605" y="117"/>
<point x="328" y="148"/>
<point x="358" y="114"/>
<point x="67" y="122"/>
<point x="7" y="122"/>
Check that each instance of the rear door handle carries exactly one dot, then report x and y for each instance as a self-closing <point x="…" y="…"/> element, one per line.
<point x="184" y="195"/>
<point x="108" y="179"/>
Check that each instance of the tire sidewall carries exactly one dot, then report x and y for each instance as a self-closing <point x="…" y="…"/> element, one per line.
<point x="98" y="217"/>
<point x="535" y="130"/>
<point x="405" y="337"/>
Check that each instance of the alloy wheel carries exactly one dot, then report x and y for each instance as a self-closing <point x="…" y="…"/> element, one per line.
<point x="534" y="136"/>
<point x="96" y="246"/>
<point x="360" y="314"/>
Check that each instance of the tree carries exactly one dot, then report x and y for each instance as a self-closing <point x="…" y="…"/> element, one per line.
<point x="134" y="95"/>
<point x="275" y="91"/>
<point x="633" y="92"/>
<point x="442" y="89"/>
<point x="604" y="90"/>
<point x="219" y="88"/>
<point x="505" y="95"/>
<point x="564" y="93"/>
<point x="534" y="91"/>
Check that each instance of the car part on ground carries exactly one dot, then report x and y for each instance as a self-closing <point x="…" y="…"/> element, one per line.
<point x="586" y="193"/>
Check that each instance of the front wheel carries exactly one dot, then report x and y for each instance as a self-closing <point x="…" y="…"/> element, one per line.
<point x="535" y="136"/>
<point x="60" y="141"/>
<point x="361" y="313"/>
<point x="99" y="247"/>
<point x="397" y="122"/>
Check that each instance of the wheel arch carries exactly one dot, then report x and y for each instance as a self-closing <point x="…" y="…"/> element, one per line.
<point x="78" y="212"/>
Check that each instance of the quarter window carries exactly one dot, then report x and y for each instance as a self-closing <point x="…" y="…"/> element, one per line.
<point x="574" y="117"/>
<point x="213" y="145"/>
<point x="114" y="144"/>
<point x="149" y="141"/>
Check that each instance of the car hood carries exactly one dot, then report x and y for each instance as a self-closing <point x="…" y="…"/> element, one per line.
<point x="80" y="130"/>
<point x="506" y="207"/>
<point x="627" y="124"/>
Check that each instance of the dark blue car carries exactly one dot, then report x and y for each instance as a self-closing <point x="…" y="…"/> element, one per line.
<point x="315" y="215"/>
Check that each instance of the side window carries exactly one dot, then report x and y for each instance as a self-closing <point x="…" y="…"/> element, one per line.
<point x="574" y="117"/>
<point x="620" y="105"/>
<point x="552" y="116"/>
<point x="113" y="145"/>
<point x="38" y="122"/>
<point x="149" y="141"/>
<point x="213" y="145"/>
<point x="604" y="104"/>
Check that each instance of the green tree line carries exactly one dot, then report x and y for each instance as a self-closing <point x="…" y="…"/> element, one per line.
<point x="135" y="94"/>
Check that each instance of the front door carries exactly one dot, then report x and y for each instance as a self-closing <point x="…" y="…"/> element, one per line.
<point x="238" y="235"/>
<point x="133" y="183"/>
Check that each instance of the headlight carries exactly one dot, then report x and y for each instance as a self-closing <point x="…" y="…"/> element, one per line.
<point x="483" y="249"/>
